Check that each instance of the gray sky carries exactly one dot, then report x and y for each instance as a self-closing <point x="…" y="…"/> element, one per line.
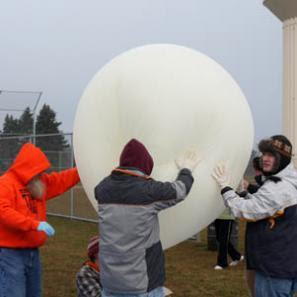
<point x="57" y="46"/>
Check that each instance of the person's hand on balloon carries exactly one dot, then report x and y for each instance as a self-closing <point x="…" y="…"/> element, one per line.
<point x="222" y="176"/>
<point x="188" y="160"/>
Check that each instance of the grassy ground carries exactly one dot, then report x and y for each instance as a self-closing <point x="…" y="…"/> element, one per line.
<point x="189" y="265"/>
<point x="81" y="205"/>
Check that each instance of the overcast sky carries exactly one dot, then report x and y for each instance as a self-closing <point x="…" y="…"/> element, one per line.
<point x="57" y="46"/>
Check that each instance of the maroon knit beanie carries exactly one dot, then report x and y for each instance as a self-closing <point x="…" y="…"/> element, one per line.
<point x="136" y="155"/>
<point x="93" y="247"/>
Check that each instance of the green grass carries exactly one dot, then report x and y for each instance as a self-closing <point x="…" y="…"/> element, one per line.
<point x="189" y="266"/>
<point x="81" y="205"/>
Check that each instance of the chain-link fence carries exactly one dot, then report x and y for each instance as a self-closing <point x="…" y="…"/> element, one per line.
<point x="73" y="204"/>
<point x="58" y="148"/>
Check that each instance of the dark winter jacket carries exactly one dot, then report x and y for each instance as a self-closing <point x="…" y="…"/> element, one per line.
<point x="131" y="254"/>
<point x="274" y="251"/>
<point x="271" y="251"/>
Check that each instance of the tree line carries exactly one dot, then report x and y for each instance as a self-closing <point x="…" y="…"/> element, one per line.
<point x="18" y="130"/>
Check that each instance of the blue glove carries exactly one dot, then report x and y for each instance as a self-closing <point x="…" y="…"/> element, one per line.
<point x="47" y="228"/>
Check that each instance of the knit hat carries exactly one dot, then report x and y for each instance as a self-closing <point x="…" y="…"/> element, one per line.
<point x="280" y="147"/>
<point x="137" y="156"/>
<point x="93" y="247"/>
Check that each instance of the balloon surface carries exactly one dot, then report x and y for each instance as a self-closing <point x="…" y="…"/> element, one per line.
<point x="170" y="98"/>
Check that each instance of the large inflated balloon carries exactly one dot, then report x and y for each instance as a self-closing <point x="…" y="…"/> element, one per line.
<point x="170" y="98"/>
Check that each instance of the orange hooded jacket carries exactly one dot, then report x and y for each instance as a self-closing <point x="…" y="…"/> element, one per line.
<point x="20" y="214"/>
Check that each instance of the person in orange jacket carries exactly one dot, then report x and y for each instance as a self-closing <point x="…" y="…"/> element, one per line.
<point x="24" y="190"/>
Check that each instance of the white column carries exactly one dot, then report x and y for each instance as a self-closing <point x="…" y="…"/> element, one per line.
<point x="290" y="82"/>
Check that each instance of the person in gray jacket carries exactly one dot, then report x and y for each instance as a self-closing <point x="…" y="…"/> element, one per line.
<point x="131" y="254"/>
<point x="272" y="237"/>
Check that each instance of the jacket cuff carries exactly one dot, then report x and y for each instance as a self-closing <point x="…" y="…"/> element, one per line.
<point x="226" y="189"/>
<point x="35" y="225"/>
<point x="185" y="170"/>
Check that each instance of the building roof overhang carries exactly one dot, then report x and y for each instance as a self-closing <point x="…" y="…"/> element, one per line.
<point x="283" y="9"/>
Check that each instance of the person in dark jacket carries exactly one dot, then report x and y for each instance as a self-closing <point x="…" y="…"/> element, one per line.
<point x="251" y="188"/>
<point x="131" y="254"/>
<point x="223" y="226"/>
<point x="88" y="278"/>
<point x="272" y="237"/>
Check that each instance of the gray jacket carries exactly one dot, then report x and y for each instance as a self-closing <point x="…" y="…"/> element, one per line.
<point x="131" y="255"/>
<point x="274" y="195"/>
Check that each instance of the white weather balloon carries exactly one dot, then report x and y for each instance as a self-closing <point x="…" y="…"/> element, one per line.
<point x="170" y="98"/>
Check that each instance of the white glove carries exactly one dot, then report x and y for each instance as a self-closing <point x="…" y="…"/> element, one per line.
<point x="188" y="160"/>
<point x="221" y="176"/>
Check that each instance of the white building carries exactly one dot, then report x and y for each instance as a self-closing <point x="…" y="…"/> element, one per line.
<point x="286" y="11"/>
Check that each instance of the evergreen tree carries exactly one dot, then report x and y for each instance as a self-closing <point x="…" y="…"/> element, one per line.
<point x="18" y="126"/>
<point x="26" y="122"/>
<point x="9" y="146"/>
<point x="11" y="126"/>
<point x="46" y="123"/>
